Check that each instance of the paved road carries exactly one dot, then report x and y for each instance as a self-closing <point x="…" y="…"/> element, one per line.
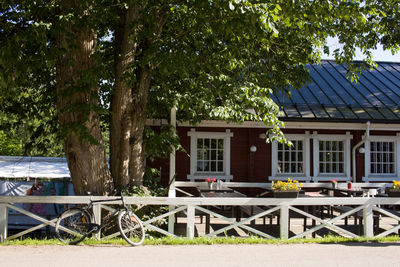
<point x="324" y="255"/>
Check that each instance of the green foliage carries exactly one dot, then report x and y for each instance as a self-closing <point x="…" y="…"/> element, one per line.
<point x="29" y="117"/>
<point x="159" y="143"/>
<point x="9" y="146"/>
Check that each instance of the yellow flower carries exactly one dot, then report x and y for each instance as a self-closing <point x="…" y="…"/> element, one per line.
<point x="396" y="185"/>
<point x="290" y="185"/>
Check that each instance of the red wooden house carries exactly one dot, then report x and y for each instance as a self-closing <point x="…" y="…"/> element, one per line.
<point x="339" y="129"/>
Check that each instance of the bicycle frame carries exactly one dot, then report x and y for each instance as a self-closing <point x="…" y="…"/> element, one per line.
<point x="96" y="227"/>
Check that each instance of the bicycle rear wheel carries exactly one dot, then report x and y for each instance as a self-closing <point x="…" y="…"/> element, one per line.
<point x="72" y="225"/>
<point x="131" y="228"/>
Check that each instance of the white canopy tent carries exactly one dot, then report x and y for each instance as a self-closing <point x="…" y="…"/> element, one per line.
<point x="21" y="176"/>
<point x="34" y="167"/>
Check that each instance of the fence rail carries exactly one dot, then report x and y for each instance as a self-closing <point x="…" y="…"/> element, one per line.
<point x="366" y="208"/>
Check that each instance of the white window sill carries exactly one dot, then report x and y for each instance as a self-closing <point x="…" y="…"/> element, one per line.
<point x="329" y="178"/>
<point x="380" y="179"/>
<point x="291" y="176"/>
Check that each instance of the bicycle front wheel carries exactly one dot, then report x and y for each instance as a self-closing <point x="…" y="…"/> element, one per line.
<point x="131" y="228"/>
<point x="72" y="226"/>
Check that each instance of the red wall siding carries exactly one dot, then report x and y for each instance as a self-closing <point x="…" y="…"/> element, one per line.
<point x="245" y="165"/>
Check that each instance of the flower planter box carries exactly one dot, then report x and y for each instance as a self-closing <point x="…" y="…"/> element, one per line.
<point x="286" y="194"/>
<point x="393" y="193"/>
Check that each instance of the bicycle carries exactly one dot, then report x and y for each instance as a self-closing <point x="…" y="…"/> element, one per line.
<point x="75" y="224"/>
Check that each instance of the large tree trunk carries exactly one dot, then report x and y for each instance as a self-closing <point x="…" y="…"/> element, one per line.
<point x="76" y="94"/>
<point x="129" y="100"/>
<point x="121" y="102"/>
<point x="139" y="116"/>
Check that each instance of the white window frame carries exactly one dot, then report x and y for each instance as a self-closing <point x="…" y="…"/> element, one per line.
<point x="226" y="136"/>
<point x="346" y="176"/>
<point x="367" y="159"/>
<point x="305" y="176"/>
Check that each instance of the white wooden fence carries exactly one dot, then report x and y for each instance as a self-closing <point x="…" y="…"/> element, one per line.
<point x="370" y="207"/>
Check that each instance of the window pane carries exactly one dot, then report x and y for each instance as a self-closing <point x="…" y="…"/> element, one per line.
<point x="300" y="167"/>
<point x="220" y="166"/>
<point x="200" y="166"/>
<point x="213" y="143"/>
<point x="280" y="146"/>
<point x="207" y="143"/>
<point x="299" y="145"/>
<point x="280" y="156"/>
<point x="293" y="156"/>
<point x="391" y="168"/>
<point x="334" y="146"/>
<point x="220" y="143"/>
<point x="286" y="167"/>
<point x="206" y="166"/>
<point x="293" y="167"/>
<point x="199" y="143"/>
<point x="213" y="166"/>
<point x="213" y="155"/>
<point x="334" y="168"/>
<point x="341" y="168"/>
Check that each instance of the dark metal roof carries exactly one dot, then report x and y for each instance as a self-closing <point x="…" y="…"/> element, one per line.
<point x="331" y="96"/>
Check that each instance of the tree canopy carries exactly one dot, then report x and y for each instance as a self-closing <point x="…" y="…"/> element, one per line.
<point x="121" y="62"/>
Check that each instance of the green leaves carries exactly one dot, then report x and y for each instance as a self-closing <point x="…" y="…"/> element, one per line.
<point x="212" y="59"/>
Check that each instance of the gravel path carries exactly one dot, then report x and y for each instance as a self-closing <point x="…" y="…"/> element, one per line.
<point x="352" y="254"/>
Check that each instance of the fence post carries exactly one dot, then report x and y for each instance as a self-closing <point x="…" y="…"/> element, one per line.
<point x="284" y="221"/>
<point x="368" y="220"/>
<point x="3" y="221"/>
<point x="97" y="217"/>
<point x="190" y="222"/>
<point x="171" y="218"/>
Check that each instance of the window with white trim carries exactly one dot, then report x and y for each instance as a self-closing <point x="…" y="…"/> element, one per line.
<point x="382" y="160"/>
<point x="291" y="158"/>
<point x="291" y="161"/>
<point x="331" y="157"/>
<point x="210" y="155"/>
<point x="382" y="157"/>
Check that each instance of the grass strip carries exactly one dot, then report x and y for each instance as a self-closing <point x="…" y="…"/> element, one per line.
<point x="206" y="241"/>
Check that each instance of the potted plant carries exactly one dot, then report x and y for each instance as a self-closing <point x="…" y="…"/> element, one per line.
<point x="334" y="183"/>
<point x="288" y="189"/>
<point x="210" y="182"/>
<point x="394" y="191"/>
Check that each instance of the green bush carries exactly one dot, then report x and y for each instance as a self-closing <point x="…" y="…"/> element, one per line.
<point x="10" y="146"/>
